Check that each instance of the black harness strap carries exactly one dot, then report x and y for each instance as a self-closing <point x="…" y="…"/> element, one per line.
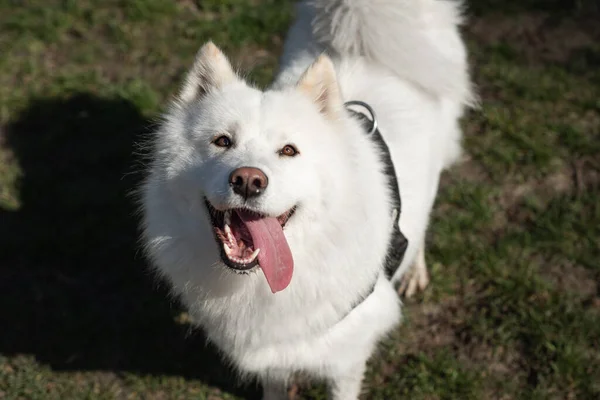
<point x="398" y="242"/>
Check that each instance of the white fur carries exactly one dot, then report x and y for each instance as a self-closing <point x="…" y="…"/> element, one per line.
<point x="406" y="60"/>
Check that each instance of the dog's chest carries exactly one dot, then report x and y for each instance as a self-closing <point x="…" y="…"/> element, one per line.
<point x="255" y="317"/>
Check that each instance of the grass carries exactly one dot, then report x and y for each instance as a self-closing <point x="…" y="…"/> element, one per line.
<point x="513" y="310"/>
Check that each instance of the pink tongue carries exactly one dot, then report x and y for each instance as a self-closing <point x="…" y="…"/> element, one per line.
<point x="275" y="257"/>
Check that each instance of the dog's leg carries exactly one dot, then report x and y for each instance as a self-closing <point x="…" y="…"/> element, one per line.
<point x="347" y="385"/>
<point x="417" y="277"/>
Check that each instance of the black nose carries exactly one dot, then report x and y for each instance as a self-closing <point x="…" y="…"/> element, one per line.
<point x="248" y="181"/>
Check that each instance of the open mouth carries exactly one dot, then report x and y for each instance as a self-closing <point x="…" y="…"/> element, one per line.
<point x="248" y="239"/>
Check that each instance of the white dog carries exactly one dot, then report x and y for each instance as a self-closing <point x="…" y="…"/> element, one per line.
<point x="271" y="213"/>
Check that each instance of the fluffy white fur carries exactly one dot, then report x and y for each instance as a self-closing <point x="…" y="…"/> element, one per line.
<point x="405" y="58"/>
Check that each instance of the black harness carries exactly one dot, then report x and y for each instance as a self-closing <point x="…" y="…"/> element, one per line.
<point x="398" y="242"/>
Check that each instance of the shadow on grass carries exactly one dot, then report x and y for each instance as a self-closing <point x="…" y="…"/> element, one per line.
<point x="74" y="290"/>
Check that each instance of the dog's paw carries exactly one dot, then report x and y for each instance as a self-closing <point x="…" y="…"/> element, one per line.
<point x="416" y="278"/>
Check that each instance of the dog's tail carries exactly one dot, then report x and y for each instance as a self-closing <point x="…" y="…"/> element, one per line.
<point x="404" y="36"/>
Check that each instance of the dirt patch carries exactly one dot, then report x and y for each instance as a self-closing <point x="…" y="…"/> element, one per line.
<point x="555" y="184"/>
<point x="569" y="277"/>
<point x="580" y="176"/>
<point x="498" y="362"/>
<point x="430" y="326"/>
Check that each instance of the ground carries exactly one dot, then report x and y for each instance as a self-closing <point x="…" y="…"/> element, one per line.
<point x="513" y="307"/>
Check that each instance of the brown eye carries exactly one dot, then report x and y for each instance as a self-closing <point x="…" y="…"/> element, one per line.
<point x="222" y="141"/>
<point x="288" y="151"/>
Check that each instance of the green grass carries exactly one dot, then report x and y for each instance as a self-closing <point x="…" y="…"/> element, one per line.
<point x="513" y="310"/>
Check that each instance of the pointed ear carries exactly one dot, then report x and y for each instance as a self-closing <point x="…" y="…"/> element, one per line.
<point x="211" y="71"/>
<point x="319" y="82"/>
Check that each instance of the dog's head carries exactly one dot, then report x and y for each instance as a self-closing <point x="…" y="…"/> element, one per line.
<point x="236" y="168"/>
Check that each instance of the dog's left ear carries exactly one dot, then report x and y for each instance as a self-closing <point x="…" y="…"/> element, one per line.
<point x="211" y="71"/>
<point x="319" y="82"/>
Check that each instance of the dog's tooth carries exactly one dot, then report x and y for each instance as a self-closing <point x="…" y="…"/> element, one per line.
<point x="227" y="249"/>
<point x="227" y="218"/>
<point x="254" y="255"/>
<point x="229" y="234"/>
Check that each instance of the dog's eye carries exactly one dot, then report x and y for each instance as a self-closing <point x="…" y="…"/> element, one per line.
<point x="288" y="151"/>
<point x="222" y="141"/>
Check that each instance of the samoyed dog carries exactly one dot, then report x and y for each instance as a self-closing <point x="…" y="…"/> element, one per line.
<point x="272" y="213"/>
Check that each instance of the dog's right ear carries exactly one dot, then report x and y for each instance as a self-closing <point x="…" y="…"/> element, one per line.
<point x="319" y="83"/>
<point x="211" y="71"/>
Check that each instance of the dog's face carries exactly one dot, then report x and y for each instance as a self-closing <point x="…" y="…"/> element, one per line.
<point x="254" y="161"/>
